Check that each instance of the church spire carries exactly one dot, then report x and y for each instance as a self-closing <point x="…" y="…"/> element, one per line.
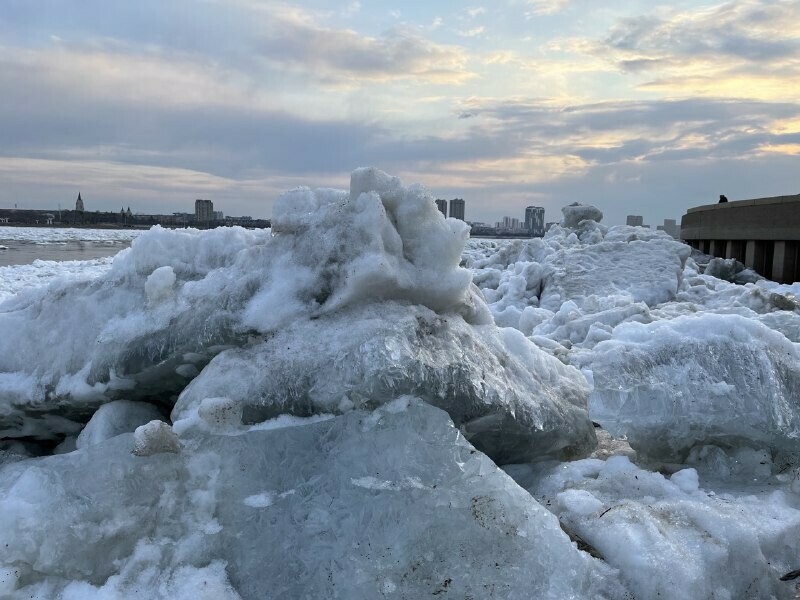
<point x="79" y="203"/>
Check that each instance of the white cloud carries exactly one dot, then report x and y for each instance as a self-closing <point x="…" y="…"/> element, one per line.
<point x="545" y="7"/>
<point x="475" y="32"/>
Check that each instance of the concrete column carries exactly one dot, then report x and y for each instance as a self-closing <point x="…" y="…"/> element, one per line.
<point x="750" y="254"/>
<point x="778" y="262"/>
<point x="728" y="249"/>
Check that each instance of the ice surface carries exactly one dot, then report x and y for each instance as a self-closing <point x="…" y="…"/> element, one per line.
<point x="56" y="235"/>
<point x="710" y="378"/>
<point x="317" y="511"/>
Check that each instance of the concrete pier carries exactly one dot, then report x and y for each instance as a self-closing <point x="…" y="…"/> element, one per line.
<point x="763" y="233"/>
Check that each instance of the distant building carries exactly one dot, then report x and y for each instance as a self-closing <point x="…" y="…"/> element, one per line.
<point x="203" y="211"/>
<point x="671" y="228"/>
<point x="635" y="221"/>
<point x="442" y="206"/>
<point x="79" y="203"/>
<point x="218" y="216"/>
<point x="457" y="208"/>
<point x="534" y="220"/>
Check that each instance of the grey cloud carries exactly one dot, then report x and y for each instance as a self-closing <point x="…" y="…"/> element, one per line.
<point x="738" y="29"/>
<point x="398" y="53"/>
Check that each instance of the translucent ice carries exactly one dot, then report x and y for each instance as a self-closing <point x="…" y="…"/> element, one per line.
<point x="511" y="400"/>
<point x="317" y="511"/>
<point x="710" y="378"/>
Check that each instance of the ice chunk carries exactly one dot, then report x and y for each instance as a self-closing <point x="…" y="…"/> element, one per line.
<point x="220" y="413"/>
<point x="510" y="399"/>
<point x="155" y="437"/>
<point x="705" y="379"/>
<point x="577" y="212"/>
<point x="646" y="272"/>
<point x="731" y="270"/>
<point x="278" y="511"/>
<point x="159" y="284"/>
<point x="115" y="418"/>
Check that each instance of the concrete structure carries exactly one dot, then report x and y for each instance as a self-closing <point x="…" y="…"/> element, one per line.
<point x="763" y="233"/>
<point x="634" y="220"/>
<point x="442" y="206"/>
<point x="457" y="208"/>
<point x="203" y="211"/>
<point x="534" y="220"/>
<point x="79" y="204"/>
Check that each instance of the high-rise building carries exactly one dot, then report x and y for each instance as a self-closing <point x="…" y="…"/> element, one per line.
<point x="534" y="220"/>
<point x="670" y="227"/>
<point x="203" y="211"/>
<point x="457" y="208"/>
<point x="442" y="206"/>
<point x="79" y="203"/>
<point x="635" y="221"/>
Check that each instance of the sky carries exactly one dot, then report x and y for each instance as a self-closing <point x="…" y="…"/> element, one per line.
<point x="638" y="107"/>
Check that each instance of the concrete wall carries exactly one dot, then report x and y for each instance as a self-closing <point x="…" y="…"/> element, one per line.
<point x="763" y="233"/>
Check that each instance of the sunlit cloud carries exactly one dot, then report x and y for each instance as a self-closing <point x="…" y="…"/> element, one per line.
<point x="743" y="48"/>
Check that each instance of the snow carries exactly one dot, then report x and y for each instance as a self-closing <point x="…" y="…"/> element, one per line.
<point x="320" y="411"/>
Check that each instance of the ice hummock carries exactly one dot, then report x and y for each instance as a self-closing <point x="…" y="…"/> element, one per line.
<point x="355" y="298"/>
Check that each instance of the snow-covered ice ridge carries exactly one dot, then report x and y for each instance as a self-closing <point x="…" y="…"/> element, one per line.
<point x="319" y="411"/>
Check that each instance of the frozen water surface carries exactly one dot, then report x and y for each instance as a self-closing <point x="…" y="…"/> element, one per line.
<point x="318" y="411"/>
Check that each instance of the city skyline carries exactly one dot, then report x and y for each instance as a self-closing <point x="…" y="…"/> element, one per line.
<point x="637" y="107"/>
<point x="193" y="208"/>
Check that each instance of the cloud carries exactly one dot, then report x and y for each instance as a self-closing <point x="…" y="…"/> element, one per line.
<point x="292" y="38"/>
<point x="474" y="32"/>
<point x="539" y="8"/>
<point x="742" y="48"/>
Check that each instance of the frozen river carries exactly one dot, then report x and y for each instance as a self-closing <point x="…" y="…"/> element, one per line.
<point x="371" y="405"/>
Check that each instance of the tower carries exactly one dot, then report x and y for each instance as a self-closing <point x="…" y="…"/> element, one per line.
<point x="203" y="211"/>
<point x="534" y="220"/>
<point x="457" y="208"/>
<point x="79" y="203"/>
<point x="442" y="206"/>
